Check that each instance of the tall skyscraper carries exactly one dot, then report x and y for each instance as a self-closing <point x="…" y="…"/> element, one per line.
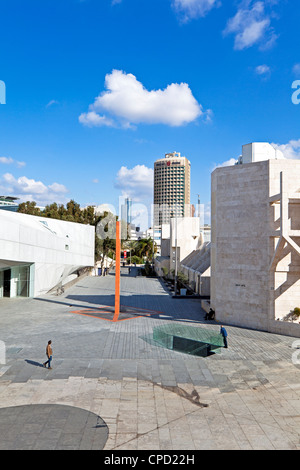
<point x="171" y="188"/>
<point x="126" y="209"/>
<point x="126" y="218"/>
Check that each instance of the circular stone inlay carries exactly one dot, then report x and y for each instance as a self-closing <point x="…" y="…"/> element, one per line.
<point x="51" y="427"/>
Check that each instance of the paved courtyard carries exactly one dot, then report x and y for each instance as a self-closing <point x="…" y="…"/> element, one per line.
<point x="113" y="388"/>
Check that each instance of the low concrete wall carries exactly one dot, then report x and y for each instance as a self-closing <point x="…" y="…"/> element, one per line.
<point x="285" y="328"/>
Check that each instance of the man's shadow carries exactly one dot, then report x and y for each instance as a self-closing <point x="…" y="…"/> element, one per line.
<point x="34" y="363"/>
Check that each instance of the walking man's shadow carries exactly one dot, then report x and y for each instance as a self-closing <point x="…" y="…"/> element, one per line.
<point x="34" y="363"/>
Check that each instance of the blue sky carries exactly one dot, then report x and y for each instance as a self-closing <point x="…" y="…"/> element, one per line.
<point x="97" y="90"/>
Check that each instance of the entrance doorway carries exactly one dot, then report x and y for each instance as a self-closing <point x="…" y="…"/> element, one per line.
<point x="16" y="281"/>
<point x="6" y="282"/>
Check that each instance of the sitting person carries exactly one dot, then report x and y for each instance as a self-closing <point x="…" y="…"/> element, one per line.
<point x="210" y="315"/>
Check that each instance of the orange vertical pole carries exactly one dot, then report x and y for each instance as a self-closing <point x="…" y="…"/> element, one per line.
<point x="118" y="273"/>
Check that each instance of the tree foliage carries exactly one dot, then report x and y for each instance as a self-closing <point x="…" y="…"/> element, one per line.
<point x="105" y="243"/>
<point x="29" y="207"/>
<point x="73" y="213"/>
<point x="142" y="249"/>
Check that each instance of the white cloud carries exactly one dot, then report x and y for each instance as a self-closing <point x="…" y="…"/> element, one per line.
<point x="6" y="160"/>
<point x="252" y="25"/>
<point x="296" y="69"/>
<point x="105" y="208"/>
<point x="290" y="150"/>
<point x="136" y="183"/>
<point x="29" y="189"/>
<point x="51" y="103"/>
<point x="10" y="161"/>
<point x="58" y="188"/>
<point x="190" y="9"/>
<point x="230" y="162"/>
<point x="262" y="70"/>
<point x="127" y="102"/>
<point x="92" y="119"/>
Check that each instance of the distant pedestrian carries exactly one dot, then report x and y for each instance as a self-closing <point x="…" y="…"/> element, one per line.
<point x="210" y="315"/>
<point x="49" y="354"/>
<point x="224" y="334"/>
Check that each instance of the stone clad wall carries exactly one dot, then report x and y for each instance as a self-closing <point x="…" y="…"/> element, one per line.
<point x="244" y="291"/>
<point x="239" y="271"/>
<point x="286" y="278"/>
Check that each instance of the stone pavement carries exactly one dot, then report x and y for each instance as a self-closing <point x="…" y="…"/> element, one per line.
<point x="113" y="388"/>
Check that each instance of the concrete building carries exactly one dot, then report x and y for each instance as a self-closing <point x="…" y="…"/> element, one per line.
<point x="38" y="254"/>
<point x="258" y="152"/>
<point x="171" y="188"/>
<point x="196" y="267"/>
<point x="255" y="253"/>
<point x="126" y="211"/>
<point x="184" y="238"/>
<point x="178" y="239"/>
<point x="155" y="234"/>
<point x="134" y="233"/>
<point x="9" y="203"/>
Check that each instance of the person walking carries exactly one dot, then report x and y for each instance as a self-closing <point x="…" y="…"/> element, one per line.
<point x="224" y="334"/>
<point x="49" y="354"/>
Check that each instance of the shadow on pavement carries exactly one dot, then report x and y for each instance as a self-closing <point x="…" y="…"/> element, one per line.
<point x="34" y="363"/>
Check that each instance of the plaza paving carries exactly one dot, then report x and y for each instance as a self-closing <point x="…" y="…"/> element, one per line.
<point x="113" y="388"/>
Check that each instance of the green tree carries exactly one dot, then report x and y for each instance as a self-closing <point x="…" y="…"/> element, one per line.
<point x="136" y="259"/>
<point x="105" y="224"/>
<point x="165" y="271"/>
<point x="73" y="212"/>
<point x="105" y="237"/>
<point x="104" y="248"/>
<point x="182" y="278"/>
<point x="144" y="248"/>
<point x="52" y="211"/>
<point x="29" y="207"/>
<point x="89" y="216"/>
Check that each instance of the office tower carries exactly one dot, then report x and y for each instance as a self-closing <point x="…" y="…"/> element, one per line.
<point x="171" y="188"/>
<point x="126" y="217"/>
<point x="128" y="210"/>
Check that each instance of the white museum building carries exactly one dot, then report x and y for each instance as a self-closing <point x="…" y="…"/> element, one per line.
<point x="38" y="254"/>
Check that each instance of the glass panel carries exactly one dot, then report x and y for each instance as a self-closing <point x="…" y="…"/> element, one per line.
<point x="15" y="281"/>
<point x="23" y="281"/>
<point x="188" y="339"/>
